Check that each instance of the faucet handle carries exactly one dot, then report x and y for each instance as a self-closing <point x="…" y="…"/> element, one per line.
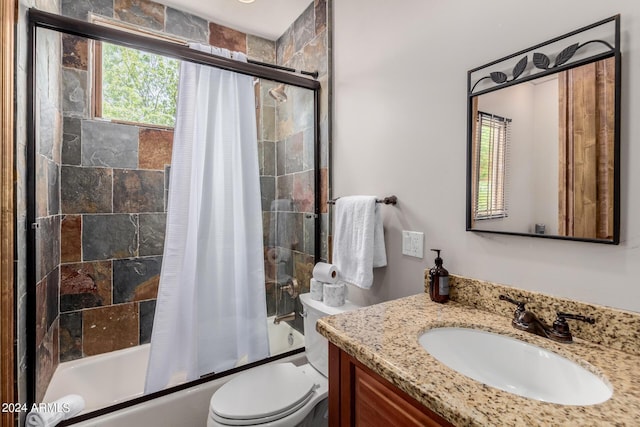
<point x="520" y="304"/>
<point x="561" y="327"/>
<point x="580" y="317"/>
<point x="563" y="316"/>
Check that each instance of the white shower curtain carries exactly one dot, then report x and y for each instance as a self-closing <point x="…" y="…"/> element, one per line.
<point x="211" y="307"/>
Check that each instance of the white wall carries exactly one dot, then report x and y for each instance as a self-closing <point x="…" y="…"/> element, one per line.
<point x="514" y="103"/>
<point x="400" y="72"/>
<point x="545" y="155"/>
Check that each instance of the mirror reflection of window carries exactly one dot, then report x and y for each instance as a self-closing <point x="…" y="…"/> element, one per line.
<point x="491" y="166"/>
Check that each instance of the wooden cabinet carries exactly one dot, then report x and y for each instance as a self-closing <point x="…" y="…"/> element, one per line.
<point x="360" y="397"/>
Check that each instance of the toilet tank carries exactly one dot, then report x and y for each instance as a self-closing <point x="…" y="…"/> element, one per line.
<point x="316" y="347"/>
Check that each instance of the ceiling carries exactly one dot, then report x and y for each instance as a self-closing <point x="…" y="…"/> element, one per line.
<point x="264" y="18"/>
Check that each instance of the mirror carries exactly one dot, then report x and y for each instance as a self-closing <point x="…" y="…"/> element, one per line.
<point x="543" y="139"/>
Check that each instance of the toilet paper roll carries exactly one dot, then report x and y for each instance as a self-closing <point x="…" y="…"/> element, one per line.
<point x="316" y="289"/>
<point x="333" y="294"/>
<point x="326" y="273"/>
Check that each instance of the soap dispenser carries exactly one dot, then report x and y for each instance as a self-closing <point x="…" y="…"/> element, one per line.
<point x="439" y="281"/>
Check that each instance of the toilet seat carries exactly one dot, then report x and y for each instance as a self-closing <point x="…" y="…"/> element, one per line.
<point x="262" y="395"/>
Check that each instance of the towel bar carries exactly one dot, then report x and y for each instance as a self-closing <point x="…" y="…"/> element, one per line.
<point x="391" y="200"/>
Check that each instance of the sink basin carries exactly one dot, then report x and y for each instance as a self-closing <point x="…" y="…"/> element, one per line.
<point x="515" y="366"/>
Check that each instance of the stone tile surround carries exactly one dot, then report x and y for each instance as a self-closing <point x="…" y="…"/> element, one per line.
<point x="115" y="161"/>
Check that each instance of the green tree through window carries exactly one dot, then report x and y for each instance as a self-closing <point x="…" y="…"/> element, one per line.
<point x="138" y="86"/>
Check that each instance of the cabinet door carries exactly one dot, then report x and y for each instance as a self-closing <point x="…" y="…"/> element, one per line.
<point x="378" y="405"/>
<point x="360" y="397"/>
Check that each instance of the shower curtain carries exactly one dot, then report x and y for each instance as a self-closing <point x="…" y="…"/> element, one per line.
<point x="211" y="307"/>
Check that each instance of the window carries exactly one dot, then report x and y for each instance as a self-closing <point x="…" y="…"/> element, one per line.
<point x="132" y="85"/>
<point x="491" y="166"/>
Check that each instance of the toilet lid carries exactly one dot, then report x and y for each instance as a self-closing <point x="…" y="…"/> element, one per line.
<point x="263" y="392"/>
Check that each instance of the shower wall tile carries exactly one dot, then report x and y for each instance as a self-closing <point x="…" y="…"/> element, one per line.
<point x="302" y="101"/>
<point x="268" y="151"/>
<point x="42" y="190"/>
<point x="268" y="129"/>
<point x="324" y="190"/>
<point x="109" y="144"/>
<point x="303" y="194"/>
<point x="85" y="285"/>
<point x="75" y="52"/>
<point x="106" y="329"/>
<point x="285" y="46"/>
<point x="109" y="236"/>
<point x="227" y="38"/>
<point x="308" y="234"/>
<point x="270" y="291"/>
<point x="53" y="288"/>
<point x="53" y="188"/>
<point x="71" y="238"/>
<point x="70" y="336"/>
<point x="308" y="149"/>
<point x="304" y="28"/>
<point x="41" y="311"/>
<point x="75" y="97"/>
<point x="324" y="237"/>
<point x="324" y="144"/>
<point x="314" y="55"/>
<point x="152" y="229"/>
<point x="267" y="191"/>
<point x="293" y="153"/>
<point x="80" y="9"/>
<point x="260" y="49"/>
<point x="143" y="13"/>
<point x="71" y="141"/>
<point x="303" y="270"/>
<point x="138" y="191"/>
<point x="48" y="132"/>
<point x="86" y="190"/>
<point x="136" y="279"/>
<point x="48" y="245"/>
<point x="155" y="148"/>
<point x="284" y="119"/>
<point x="186" y="25"/>
<point x="320" y="11"/>
<point x="147" y="312"/>
<point x="47" y="358"/>
<point x="284" y="187"/>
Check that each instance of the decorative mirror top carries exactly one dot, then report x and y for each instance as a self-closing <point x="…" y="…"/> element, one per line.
<point x="543" y="156"/>
<point x="586" y="44"/>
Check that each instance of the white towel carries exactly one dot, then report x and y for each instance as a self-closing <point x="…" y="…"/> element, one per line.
<point x="358" y="244"/>
<point x="51" y="414"/>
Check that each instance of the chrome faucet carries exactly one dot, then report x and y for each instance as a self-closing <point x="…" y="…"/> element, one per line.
<point x="559" y="331"/>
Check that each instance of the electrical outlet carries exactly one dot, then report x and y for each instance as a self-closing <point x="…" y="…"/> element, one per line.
<point x="413" y="243"/>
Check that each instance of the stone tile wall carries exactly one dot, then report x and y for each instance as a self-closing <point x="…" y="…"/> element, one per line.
<point x="103" y="185"/>
<point x="112" y="234"/>
<point x="304" y="45"/>
<point x="48" y="154"/>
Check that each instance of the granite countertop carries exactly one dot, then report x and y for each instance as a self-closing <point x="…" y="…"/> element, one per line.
<point x="384" y="337"/>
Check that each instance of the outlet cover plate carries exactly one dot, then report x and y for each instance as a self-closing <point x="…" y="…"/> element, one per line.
<point x="413" y="243"/>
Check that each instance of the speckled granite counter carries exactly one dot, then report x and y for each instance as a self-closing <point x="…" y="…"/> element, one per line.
<point x="384" y="337"/>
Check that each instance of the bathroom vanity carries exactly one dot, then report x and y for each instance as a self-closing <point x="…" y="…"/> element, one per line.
<point x="381" y="375"/>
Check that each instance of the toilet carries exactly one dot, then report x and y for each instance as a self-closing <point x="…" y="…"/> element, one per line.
<point x="280" y="394"/>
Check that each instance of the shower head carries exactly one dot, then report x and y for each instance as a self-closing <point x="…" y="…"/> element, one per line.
<point x="278" y="94"/>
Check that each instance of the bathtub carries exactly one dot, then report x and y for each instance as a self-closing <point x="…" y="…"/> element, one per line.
<point x="110" y="378"/>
